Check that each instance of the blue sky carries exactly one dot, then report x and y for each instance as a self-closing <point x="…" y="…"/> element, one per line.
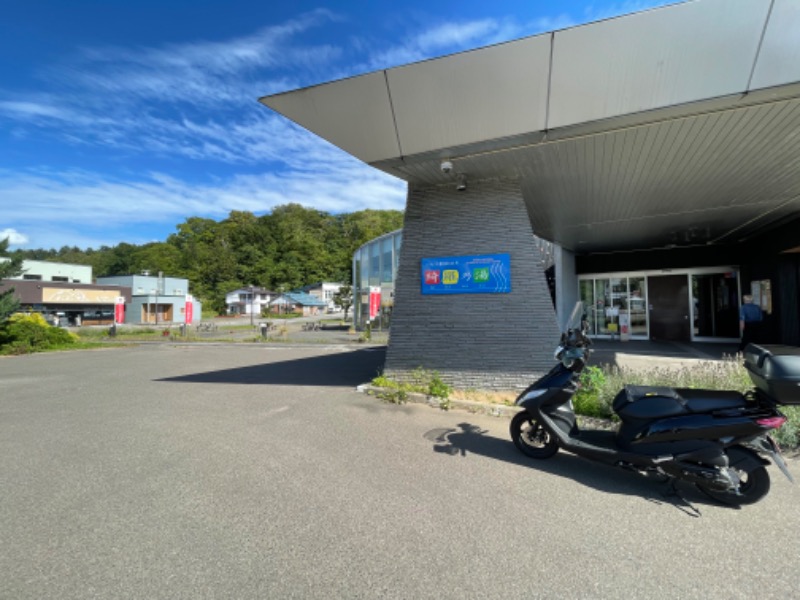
<point x="120" y="119"/>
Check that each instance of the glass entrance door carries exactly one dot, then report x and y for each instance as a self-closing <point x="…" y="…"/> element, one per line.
<point x="715" y="305"/>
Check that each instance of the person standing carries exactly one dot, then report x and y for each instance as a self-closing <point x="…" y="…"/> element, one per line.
<point x="750" y="317"/>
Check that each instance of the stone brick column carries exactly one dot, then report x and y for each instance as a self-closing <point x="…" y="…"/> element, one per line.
<point x="486" y="341"/>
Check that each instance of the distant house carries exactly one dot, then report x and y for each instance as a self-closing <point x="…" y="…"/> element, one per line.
<point x="246" y="301"/>
<point x="156" y="299"/>
<point x="298" y="302"/>
<point x="325" y="291"/>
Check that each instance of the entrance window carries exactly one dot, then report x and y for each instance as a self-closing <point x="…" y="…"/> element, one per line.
<point x="587" y="297"/>
<point x="637" y="304"/>
<point x="607" y="299"/>
<point x="610" y="298"/>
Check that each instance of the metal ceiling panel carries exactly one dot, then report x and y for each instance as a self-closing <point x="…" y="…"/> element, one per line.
<point x="779" y="59"/>
<point x="354" y="114"/>
<point x="484" y="94"/>
<point x="649" y="60"/>
<point x="693" y="180"/>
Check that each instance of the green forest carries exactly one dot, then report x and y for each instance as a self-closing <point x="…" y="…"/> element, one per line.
<point x="289" y="247"/>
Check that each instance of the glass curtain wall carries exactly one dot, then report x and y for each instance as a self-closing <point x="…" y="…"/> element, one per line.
<point x="375" y="266"/>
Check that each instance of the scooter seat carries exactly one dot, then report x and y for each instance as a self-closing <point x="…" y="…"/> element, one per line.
<point x="706" y="401"/>
<point x="635" y="402"/>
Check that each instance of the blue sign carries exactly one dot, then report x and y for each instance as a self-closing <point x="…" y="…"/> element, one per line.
<point x="482" y="274"/>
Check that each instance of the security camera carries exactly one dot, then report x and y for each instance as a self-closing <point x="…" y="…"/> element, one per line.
<point x="447" y="166"/>
<point x="462" y="182"/>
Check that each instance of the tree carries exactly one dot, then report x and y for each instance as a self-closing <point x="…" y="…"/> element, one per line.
<point x="9" y="268"/>
<point x="344" y="298"/>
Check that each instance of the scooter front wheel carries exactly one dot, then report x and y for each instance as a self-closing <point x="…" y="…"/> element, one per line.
<point x="530" y="437"/>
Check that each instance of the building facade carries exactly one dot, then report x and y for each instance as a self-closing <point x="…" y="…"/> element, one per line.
<point x="374" y="273"/>
<point x="656" y="151"/>
<point x="156" y="300"/>
<point x="64" y="294"/>
<point x="40" y="270"/>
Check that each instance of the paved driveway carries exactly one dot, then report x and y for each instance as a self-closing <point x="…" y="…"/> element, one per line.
<point x="256" y="472"/>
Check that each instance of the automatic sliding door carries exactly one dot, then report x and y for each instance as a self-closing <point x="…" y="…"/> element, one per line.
<point x="715" y="299"/>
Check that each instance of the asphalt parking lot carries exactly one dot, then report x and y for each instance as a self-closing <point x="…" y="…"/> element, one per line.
<point x="168" y="471"/>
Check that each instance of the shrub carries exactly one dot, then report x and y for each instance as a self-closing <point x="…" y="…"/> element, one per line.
<point x="438" y="388"/>
<point x="22" y="334"/>
<point x="589" y="400"/>
<point x="600" y="386"/>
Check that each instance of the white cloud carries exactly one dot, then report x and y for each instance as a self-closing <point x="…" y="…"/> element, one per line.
<point x="84" y="208"/>
<point x="206" y="73"/>
<point x="14" y="237"/>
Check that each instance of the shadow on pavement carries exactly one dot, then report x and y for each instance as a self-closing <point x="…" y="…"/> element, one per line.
<point x="611" y="480"/>
<point x="342" y="369"/>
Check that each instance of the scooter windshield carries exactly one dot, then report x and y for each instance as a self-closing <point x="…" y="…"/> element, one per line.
<point x="575" y="319"/>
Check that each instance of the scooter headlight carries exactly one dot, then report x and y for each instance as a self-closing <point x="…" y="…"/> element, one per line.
<point x="558" y="352"/>
<point x="569" y="357"/>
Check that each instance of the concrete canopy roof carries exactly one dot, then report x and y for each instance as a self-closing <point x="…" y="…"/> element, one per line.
<point x="671" y="127"/>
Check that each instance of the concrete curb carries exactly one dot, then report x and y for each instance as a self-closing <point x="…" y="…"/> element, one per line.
<point x="483" y="408"/>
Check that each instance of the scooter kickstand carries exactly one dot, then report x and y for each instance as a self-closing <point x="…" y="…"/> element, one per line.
<point x="671" y="491"/>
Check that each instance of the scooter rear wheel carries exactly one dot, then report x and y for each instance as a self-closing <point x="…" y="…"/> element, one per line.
<point x="530" y="437"/>
<point x="754" y="482"/>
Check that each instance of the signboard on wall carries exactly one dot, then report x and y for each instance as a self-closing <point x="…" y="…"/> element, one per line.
<point x="78" y="296"/>
<point x="479" y="274"/>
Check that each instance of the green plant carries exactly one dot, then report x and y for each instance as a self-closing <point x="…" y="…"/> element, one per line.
<point x="22" y="334"/>
<point x="366" y="335"/>
<point x="419" y="381"/>
<point x="438" y="388"/>
<point x="391" y="390"/>
<point x="589" y="400"/>
<point x="788" y="436"/>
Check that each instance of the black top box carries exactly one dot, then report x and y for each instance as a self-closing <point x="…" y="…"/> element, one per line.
<point x="775" y="370"/>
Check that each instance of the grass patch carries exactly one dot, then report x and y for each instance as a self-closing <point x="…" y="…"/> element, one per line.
<point x="420" y="381"/>
<point x="506" y="398"/>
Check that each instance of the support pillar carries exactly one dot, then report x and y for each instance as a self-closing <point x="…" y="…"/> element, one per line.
<point x="486" y="341"/>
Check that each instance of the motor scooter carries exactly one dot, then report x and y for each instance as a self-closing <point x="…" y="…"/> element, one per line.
<point x="717" y="440"/>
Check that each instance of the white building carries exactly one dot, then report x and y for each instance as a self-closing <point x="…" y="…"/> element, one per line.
<point x="247" y="301"/>
<point x="324" y="291"/>
<point x="40" y="270"/>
